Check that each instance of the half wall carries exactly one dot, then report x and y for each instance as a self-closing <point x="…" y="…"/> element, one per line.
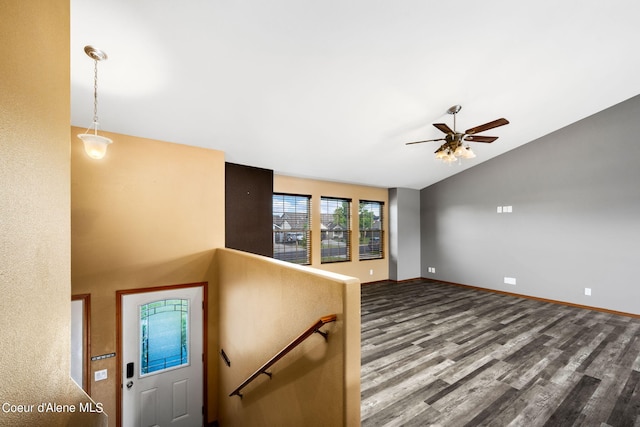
<point x="264" y="305"/>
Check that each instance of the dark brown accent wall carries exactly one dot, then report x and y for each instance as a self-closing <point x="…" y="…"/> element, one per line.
<point x="248" y="211"/>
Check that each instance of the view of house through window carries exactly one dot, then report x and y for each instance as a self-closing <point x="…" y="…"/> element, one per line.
<point x="291" y="230"/>
<point x="371" y="232"/>
<point x="335" y="229"/>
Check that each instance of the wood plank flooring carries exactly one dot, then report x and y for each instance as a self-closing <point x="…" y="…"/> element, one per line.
<point x="438" y="354"/>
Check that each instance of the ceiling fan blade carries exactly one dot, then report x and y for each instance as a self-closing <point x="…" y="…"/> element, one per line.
<point x="487" y="126"/>
<point x="443" y="127"/>
<point x="480" y="138"/>
<point x="428" y="140"/>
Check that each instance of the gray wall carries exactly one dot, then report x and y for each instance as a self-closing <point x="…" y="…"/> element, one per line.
<point x="404" y="234"/>
<point x="575" y="222"/>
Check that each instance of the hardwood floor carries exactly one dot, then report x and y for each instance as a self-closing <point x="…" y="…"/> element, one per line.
<point x="438" y="354"/>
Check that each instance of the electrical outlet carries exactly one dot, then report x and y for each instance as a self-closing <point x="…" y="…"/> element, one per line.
<point x="371" y="272"/>
<point x="510" y="280"/>
<point x="587" y="291"/>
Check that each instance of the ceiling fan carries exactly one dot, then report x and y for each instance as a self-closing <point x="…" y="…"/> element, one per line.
<point x="453" y="146"/>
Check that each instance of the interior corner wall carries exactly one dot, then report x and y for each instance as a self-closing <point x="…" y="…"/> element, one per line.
<point x="574" y="223"/>
<point x="404" y="234"/>
<point x="248" y="205"/>
<point x="149" y="214"/>
<point x="35" y="306"/>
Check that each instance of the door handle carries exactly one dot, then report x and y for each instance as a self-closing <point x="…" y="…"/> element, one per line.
<point x="130" y="384"/>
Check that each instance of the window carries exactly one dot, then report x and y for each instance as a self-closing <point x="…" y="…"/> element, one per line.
<point x="291" y="231"/>
<point x="335" y="227"/>
<point x="164" y="335"/>
<point x="371" y="232"/>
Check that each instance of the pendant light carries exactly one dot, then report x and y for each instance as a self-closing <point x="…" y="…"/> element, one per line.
<point x="94" y="144"/>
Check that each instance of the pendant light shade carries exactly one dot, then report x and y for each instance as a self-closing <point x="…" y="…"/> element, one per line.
<point x="460" y="151"/>
<point x="95" y="145"/>
<point x="468" y="153"/>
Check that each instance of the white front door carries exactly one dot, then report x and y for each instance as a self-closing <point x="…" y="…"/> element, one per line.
<point x="162" y="358"/>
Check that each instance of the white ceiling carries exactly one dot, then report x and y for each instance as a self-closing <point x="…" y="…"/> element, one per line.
<point x="333" y="89"/>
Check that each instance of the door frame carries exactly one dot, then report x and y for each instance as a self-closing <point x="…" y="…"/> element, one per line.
<point x="86" y="340"/>
<point x="205" y="307"/>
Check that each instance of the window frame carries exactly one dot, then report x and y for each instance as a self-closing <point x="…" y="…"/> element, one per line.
<point x="379" y="231"/>
<point x="282" y="237"/>
<point x="344" y="233"/>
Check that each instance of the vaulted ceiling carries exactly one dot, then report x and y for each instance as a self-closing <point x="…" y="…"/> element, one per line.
<point x="333" y="89"/>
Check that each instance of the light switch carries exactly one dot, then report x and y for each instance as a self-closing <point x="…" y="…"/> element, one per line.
<point x="100" y="375"/>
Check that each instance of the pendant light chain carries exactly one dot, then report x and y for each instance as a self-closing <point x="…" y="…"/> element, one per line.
<point x="95" y="92"/>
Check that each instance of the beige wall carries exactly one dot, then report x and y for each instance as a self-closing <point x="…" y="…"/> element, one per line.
<point x="35" y="276"/>
<point x="317" y="189"/>
<point x="264" y="305"/>
<point x="149" y="214"/>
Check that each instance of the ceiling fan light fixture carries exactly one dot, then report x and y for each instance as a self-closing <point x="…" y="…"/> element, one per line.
<point x="453" y="148"/>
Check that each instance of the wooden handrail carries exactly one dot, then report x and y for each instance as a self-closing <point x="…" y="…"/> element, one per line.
<point x="315" y="328"/>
